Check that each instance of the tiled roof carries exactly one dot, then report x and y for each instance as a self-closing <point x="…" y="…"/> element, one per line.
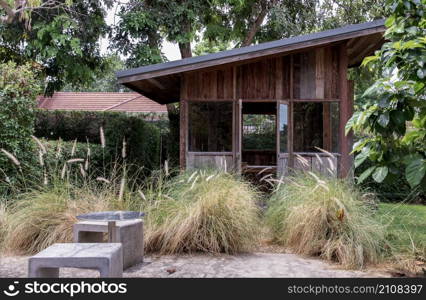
<point x="94" y="101"/>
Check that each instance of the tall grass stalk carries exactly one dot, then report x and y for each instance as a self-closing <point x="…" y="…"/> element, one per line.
<point x="327" y="217"/>
<point x="40" y="218"/>
<point x="200" y="211"/>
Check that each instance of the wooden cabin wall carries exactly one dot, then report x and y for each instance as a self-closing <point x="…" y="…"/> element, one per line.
<point x="315" y="74"/>
<point x="210" y="85"/>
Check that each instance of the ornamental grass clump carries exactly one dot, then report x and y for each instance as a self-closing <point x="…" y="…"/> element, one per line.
<point x="41" y="217"/>
<point x="3" y="216"/>
<point x="44" y="202"/>
<point x="207" y="211"/>
<point x="327" y="217"/>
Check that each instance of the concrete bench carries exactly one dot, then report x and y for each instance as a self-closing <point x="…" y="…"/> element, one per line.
<point x="128" y="233"/>
<point x="107" y="258"/>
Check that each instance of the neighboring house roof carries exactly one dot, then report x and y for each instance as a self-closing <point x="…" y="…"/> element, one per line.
<point x="95" y="101"/>
<point x="160" y="81"/>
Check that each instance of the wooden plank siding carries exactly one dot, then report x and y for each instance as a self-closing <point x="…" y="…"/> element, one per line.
<point x="210" y="85"/>
<point x="314" y="75"/>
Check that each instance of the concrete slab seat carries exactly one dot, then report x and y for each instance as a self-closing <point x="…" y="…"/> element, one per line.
<point x="128" y="233"/>
<point x="107" y="258"/>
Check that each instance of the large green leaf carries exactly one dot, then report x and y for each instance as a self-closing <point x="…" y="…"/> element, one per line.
<point x="360" y="158"/>
<point x="365" y="174"/>
<point x="384" y="119"/>
<point x="352" y="122"/>
<point x="368" y="60"/>
<point x="380" y="174"/>
<point x="415" y="171"/>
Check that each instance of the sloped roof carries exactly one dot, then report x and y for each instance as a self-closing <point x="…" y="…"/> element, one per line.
<point x="97" y="101"/>
<point x="161" y="82"/>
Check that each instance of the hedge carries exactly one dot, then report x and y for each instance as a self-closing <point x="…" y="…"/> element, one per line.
<point x="19" y="87"/>
<point x="142" y="138"/>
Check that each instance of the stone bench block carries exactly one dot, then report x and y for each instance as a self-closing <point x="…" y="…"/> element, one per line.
<point x="107" y="258"/>
<point x="128" y="233"/>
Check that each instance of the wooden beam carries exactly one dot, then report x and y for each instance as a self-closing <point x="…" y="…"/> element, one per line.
<point x="344" y="111"/>
<point x="366" y="50"/>
<point x="156" y="83"/>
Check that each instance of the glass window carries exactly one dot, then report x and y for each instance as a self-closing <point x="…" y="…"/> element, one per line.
<point x="283" y="128"/>
<point x="316" y="125"/>
<point x="210" y="126"/>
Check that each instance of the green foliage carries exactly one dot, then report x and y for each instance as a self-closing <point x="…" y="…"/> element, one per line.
<point x="142" y="138"/>
<point x="58" y="152"/>
<point x="392" y="123"/>
<point x="259" y="132"/>
<point x="18" y="90"/>
<point x="104" y="81"/>
<point x="406" y="235"/>
<point x="64" y="41"/>
<point x="326" y="217"/>
<point x="211" y="46"/>
<point x="336" y="13"/>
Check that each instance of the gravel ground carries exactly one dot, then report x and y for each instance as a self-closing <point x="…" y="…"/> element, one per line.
<point x="202" y="265"/>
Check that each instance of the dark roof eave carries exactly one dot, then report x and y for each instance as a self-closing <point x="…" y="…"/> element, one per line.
<point x="126" y="75"/>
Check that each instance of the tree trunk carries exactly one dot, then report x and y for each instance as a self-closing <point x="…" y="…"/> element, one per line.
<point x="185" y="50"/>
<point x="254" y="27"/>
<point x="185" y="47"/>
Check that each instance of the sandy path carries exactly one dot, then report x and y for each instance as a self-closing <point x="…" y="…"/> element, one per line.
<point x="201" y="265"/>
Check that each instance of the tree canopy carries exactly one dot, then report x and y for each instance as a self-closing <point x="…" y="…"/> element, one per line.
<point x="62" y="37"/>
<point x="208" y="26"/>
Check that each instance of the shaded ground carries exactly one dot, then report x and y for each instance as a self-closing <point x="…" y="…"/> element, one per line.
<point x="201" y="265"/>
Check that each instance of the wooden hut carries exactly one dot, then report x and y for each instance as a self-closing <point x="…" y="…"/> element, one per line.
<point x="295" y="88"/>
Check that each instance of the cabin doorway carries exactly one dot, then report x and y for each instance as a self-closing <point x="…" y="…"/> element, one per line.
<point x="258" y="137"/>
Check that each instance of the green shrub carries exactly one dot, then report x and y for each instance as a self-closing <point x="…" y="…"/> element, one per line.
<point x="326" y="217"/>
<point x="58" y="152"/>
<point x="18" y="91"/>
<point x="142" y="138"/>
<point x="200" y="211"/>
<point x="387" y="190"/>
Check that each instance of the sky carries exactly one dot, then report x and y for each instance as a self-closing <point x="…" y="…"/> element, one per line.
<point x="170" y="50"/>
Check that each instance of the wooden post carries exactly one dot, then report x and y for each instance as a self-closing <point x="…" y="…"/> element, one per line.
<point x="290" y="120"/>
<point x="183" y="124"/>
<point x="344" y="111"/>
